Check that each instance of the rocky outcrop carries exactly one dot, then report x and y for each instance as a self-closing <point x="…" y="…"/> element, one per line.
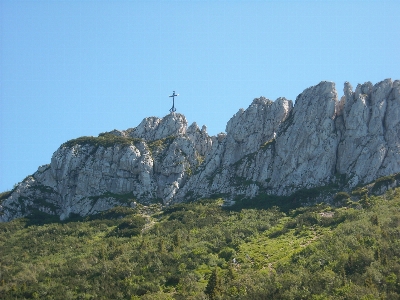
<point x="92" y="174"/>
<point x="318" y="142"/>
<point x="370" y="131"/>
<point x="306" y="148"/>
<point x="227" y="163"/>
<point x="272" y="147"/>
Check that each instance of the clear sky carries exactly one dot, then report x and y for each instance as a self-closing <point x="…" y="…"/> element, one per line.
<point x="79" y="68"/>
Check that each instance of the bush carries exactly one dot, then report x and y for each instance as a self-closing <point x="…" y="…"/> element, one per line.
<point x="117" y="212"/>
<point x="341" y="197"/>
<point x="103" y="140"/>
<point x="227" y="253"/>
<point x="5" y="195"/>
<point x="383" y="181"/>
<point x="359" y="192"/>
<point x="129" y="227"/>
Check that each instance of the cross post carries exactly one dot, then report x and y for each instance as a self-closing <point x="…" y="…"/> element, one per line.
<point x="173" y="109"/>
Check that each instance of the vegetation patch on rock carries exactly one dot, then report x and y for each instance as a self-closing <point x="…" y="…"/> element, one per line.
<point x="103" y="140"/>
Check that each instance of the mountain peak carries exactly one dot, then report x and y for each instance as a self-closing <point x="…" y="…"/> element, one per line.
<point x="272" y="147"/>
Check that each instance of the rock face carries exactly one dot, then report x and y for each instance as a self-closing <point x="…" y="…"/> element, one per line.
<point x="370" y="123"/>
<point x="89" y="175"/>
<point x="272" y="147"/>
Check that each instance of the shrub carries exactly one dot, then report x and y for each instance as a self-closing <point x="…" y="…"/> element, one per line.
<point x="359" y="192"/>
<point x="103" y="140"/>
<point x="383" y="181"/>
<point x="4" y="195"/>
<point x="227" y="253"/>
<point x="129" y="227"/>
<point x="341" y="197"/>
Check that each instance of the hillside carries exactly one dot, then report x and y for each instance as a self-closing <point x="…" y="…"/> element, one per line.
<point x="273" y="148"/>
<point x="197" y="250"/>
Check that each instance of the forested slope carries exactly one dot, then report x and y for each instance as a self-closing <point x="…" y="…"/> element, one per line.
<point x="202" y="249"/>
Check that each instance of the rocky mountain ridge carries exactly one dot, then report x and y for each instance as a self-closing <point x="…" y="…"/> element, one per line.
<point x="272" y="147"/>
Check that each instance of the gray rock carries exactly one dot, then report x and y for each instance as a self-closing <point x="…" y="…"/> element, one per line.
<point x="151" y="129"/>
<point x="370" y="132"/>
<point x="271" y="147"/>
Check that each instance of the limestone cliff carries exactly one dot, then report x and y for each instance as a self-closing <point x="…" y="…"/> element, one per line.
<point x="272" y="147"/>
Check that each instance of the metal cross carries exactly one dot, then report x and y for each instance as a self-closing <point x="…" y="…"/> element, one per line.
<point x="173" y="109"/>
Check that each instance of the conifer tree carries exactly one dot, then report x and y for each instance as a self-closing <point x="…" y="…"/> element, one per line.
<point x="213" y="288"/>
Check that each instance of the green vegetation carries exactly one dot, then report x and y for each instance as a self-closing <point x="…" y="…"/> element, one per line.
<point x="288" y="122"/>
<point x="341" y="196"/>
<point x="202" y="250"/>
<point x="246" y="158"/>
<point x="122" y="198"/>
<point x="384" y="181"/>
<point x="103" y="140"/>
<point x="162" y="143"/>
<point x="43" y="189"/>
<point x="267" y="144"/>
<point x="158" y="146"/>
<point x="5" y="195"/>
<point x="358" y="192"/>
<point x="242" y="181"/>
<point x="285" y="203"/>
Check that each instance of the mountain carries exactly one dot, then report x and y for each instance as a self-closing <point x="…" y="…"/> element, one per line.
<point x="271" y="148"/>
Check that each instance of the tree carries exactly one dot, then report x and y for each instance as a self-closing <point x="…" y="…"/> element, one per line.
<point x="213" y="288"/>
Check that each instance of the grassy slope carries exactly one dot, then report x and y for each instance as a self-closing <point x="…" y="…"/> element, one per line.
<point x="195" y="250"/>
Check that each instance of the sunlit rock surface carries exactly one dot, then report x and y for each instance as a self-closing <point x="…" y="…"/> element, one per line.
<point x="272" y="147"/>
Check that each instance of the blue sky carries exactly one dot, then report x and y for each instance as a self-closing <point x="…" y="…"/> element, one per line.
<point x="79" y="68"/>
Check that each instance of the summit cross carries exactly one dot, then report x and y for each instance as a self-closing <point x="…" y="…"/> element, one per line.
<point x="173" y="109"/>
